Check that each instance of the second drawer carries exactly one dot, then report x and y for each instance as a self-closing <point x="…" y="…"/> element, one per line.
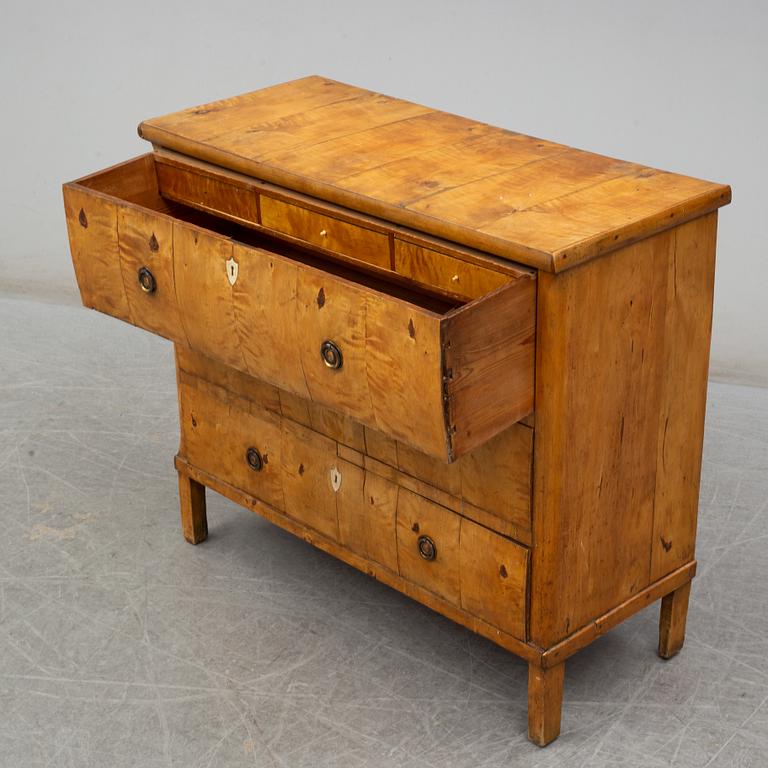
<point x="439" y="374"/>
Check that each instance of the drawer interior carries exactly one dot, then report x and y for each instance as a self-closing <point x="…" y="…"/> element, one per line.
<point x="139" y="185"/>
<point x="446" y="268"/>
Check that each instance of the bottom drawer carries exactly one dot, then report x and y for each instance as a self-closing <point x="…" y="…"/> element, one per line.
<point x="298" y="472"/>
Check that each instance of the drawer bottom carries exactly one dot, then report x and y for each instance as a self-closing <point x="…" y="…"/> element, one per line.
<point x="294" y="477"/>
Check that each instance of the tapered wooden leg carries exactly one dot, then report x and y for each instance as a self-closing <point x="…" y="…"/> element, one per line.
<point x="674" y="610"/>
<point x="545" y="701"/>
<point x="194" y="522"/>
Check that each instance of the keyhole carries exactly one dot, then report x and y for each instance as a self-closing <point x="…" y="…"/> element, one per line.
<point x="335" y="479"/>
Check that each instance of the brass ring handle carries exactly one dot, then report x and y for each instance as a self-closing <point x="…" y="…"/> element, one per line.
<point x="427" y="548"/>
<point x="253" y="457"/>
<point x="331" y="355"/>
<point x="147" y="280"/>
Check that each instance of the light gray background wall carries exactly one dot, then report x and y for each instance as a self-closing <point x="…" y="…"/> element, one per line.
<point x="681" y="86"/>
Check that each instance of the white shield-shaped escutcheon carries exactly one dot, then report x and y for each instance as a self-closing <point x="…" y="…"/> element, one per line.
<point x="231" y="270"/>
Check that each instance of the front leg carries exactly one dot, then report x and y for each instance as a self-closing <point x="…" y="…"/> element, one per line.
<point x="194" y="522"/>
<point x="545" y="701"/>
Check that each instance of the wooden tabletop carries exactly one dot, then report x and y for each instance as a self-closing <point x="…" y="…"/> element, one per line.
<point x="525" y="199"/>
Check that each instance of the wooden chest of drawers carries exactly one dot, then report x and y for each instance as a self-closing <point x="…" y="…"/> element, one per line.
<point x="470" y="363"/>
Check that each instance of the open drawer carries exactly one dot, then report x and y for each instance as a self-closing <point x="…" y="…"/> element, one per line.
<point x="435" y="373"/>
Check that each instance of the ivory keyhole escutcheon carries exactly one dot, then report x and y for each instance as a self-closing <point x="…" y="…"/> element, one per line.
<point x="232" y="268"/>
<point x="335" y="479"/>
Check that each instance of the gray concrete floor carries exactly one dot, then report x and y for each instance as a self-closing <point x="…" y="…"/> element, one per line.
<point x="121" y="645"/>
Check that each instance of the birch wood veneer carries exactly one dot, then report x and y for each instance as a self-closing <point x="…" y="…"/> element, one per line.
<point x="468" y="362"/>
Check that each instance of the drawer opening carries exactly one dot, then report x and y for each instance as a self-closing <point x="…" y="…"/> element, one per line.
<point x="136" y="182"/>
<point x="376" y="246"/>
<point x="244" y="235"/>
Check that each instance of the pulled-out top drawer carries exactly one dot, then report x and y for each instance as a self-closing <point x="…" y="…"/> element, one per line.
<point x="438" y="374"/>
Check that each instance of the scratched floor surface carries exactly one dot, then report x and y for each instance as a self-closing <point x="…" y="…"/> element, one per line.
<point x="121" y="645"/>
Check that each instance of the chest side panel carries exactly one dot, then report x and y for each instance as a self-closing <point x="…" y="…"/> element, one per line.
<point x="620" y="388"/>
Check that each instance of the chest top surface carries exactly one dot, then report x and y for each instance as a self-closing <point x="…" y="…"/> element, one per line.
<point x="525" y="199"/>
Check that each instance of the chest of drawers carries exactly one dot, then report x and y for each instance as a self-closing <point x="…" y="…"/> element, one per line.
<point x="468" y="362"/>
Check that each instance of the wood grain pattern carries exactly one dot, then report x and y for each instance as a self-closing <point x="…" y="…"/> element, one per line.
<point x="204" y="293"/>
<point x="403" y="360"/>
<point x="338" y="426"/>
<point x="494" y="577"/>
<point x="376" y="517"/>
<point x="367" y="508"/>
<point x="331" y="309"/>
<point x="217" y="431"/>
<point x="314" y="211"/>
<point x="306" y="462"/>
<point x="226" y="197"/>
<point x="616" y="489"/>
<point x="134" y="180"/>
<point x="489" y="358"/>
<point x="326" y="232"/>
<point x="93" y="243"/>
<point x="195" y="367"/>
<point x="429" y="267"/>
<point x="689" y="293"/>
<point x="595" y="446"/>
<point x="518" y="197"/>
<point x="146" y="241"/>
<point x="497" y="476"/>
<point x="265" y="297"/>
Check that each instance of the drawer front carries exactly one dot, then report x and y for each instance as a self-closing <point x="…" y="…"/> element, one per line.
<point x="447" y="273"/>
<point x="463" y="562"/>
<point x="491" y="484"/>
<point x="221" y="196"/>
<point x="326" y="232"/>
<point x="436" y="376"/>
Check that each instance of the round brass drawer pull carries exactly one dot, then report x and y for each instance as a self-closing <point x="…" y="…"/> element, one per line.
<point x="331" y="355"/>
<point x="147" y="281"/>
<point x="253" y="457"/>
<point x="427" y="548"/>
